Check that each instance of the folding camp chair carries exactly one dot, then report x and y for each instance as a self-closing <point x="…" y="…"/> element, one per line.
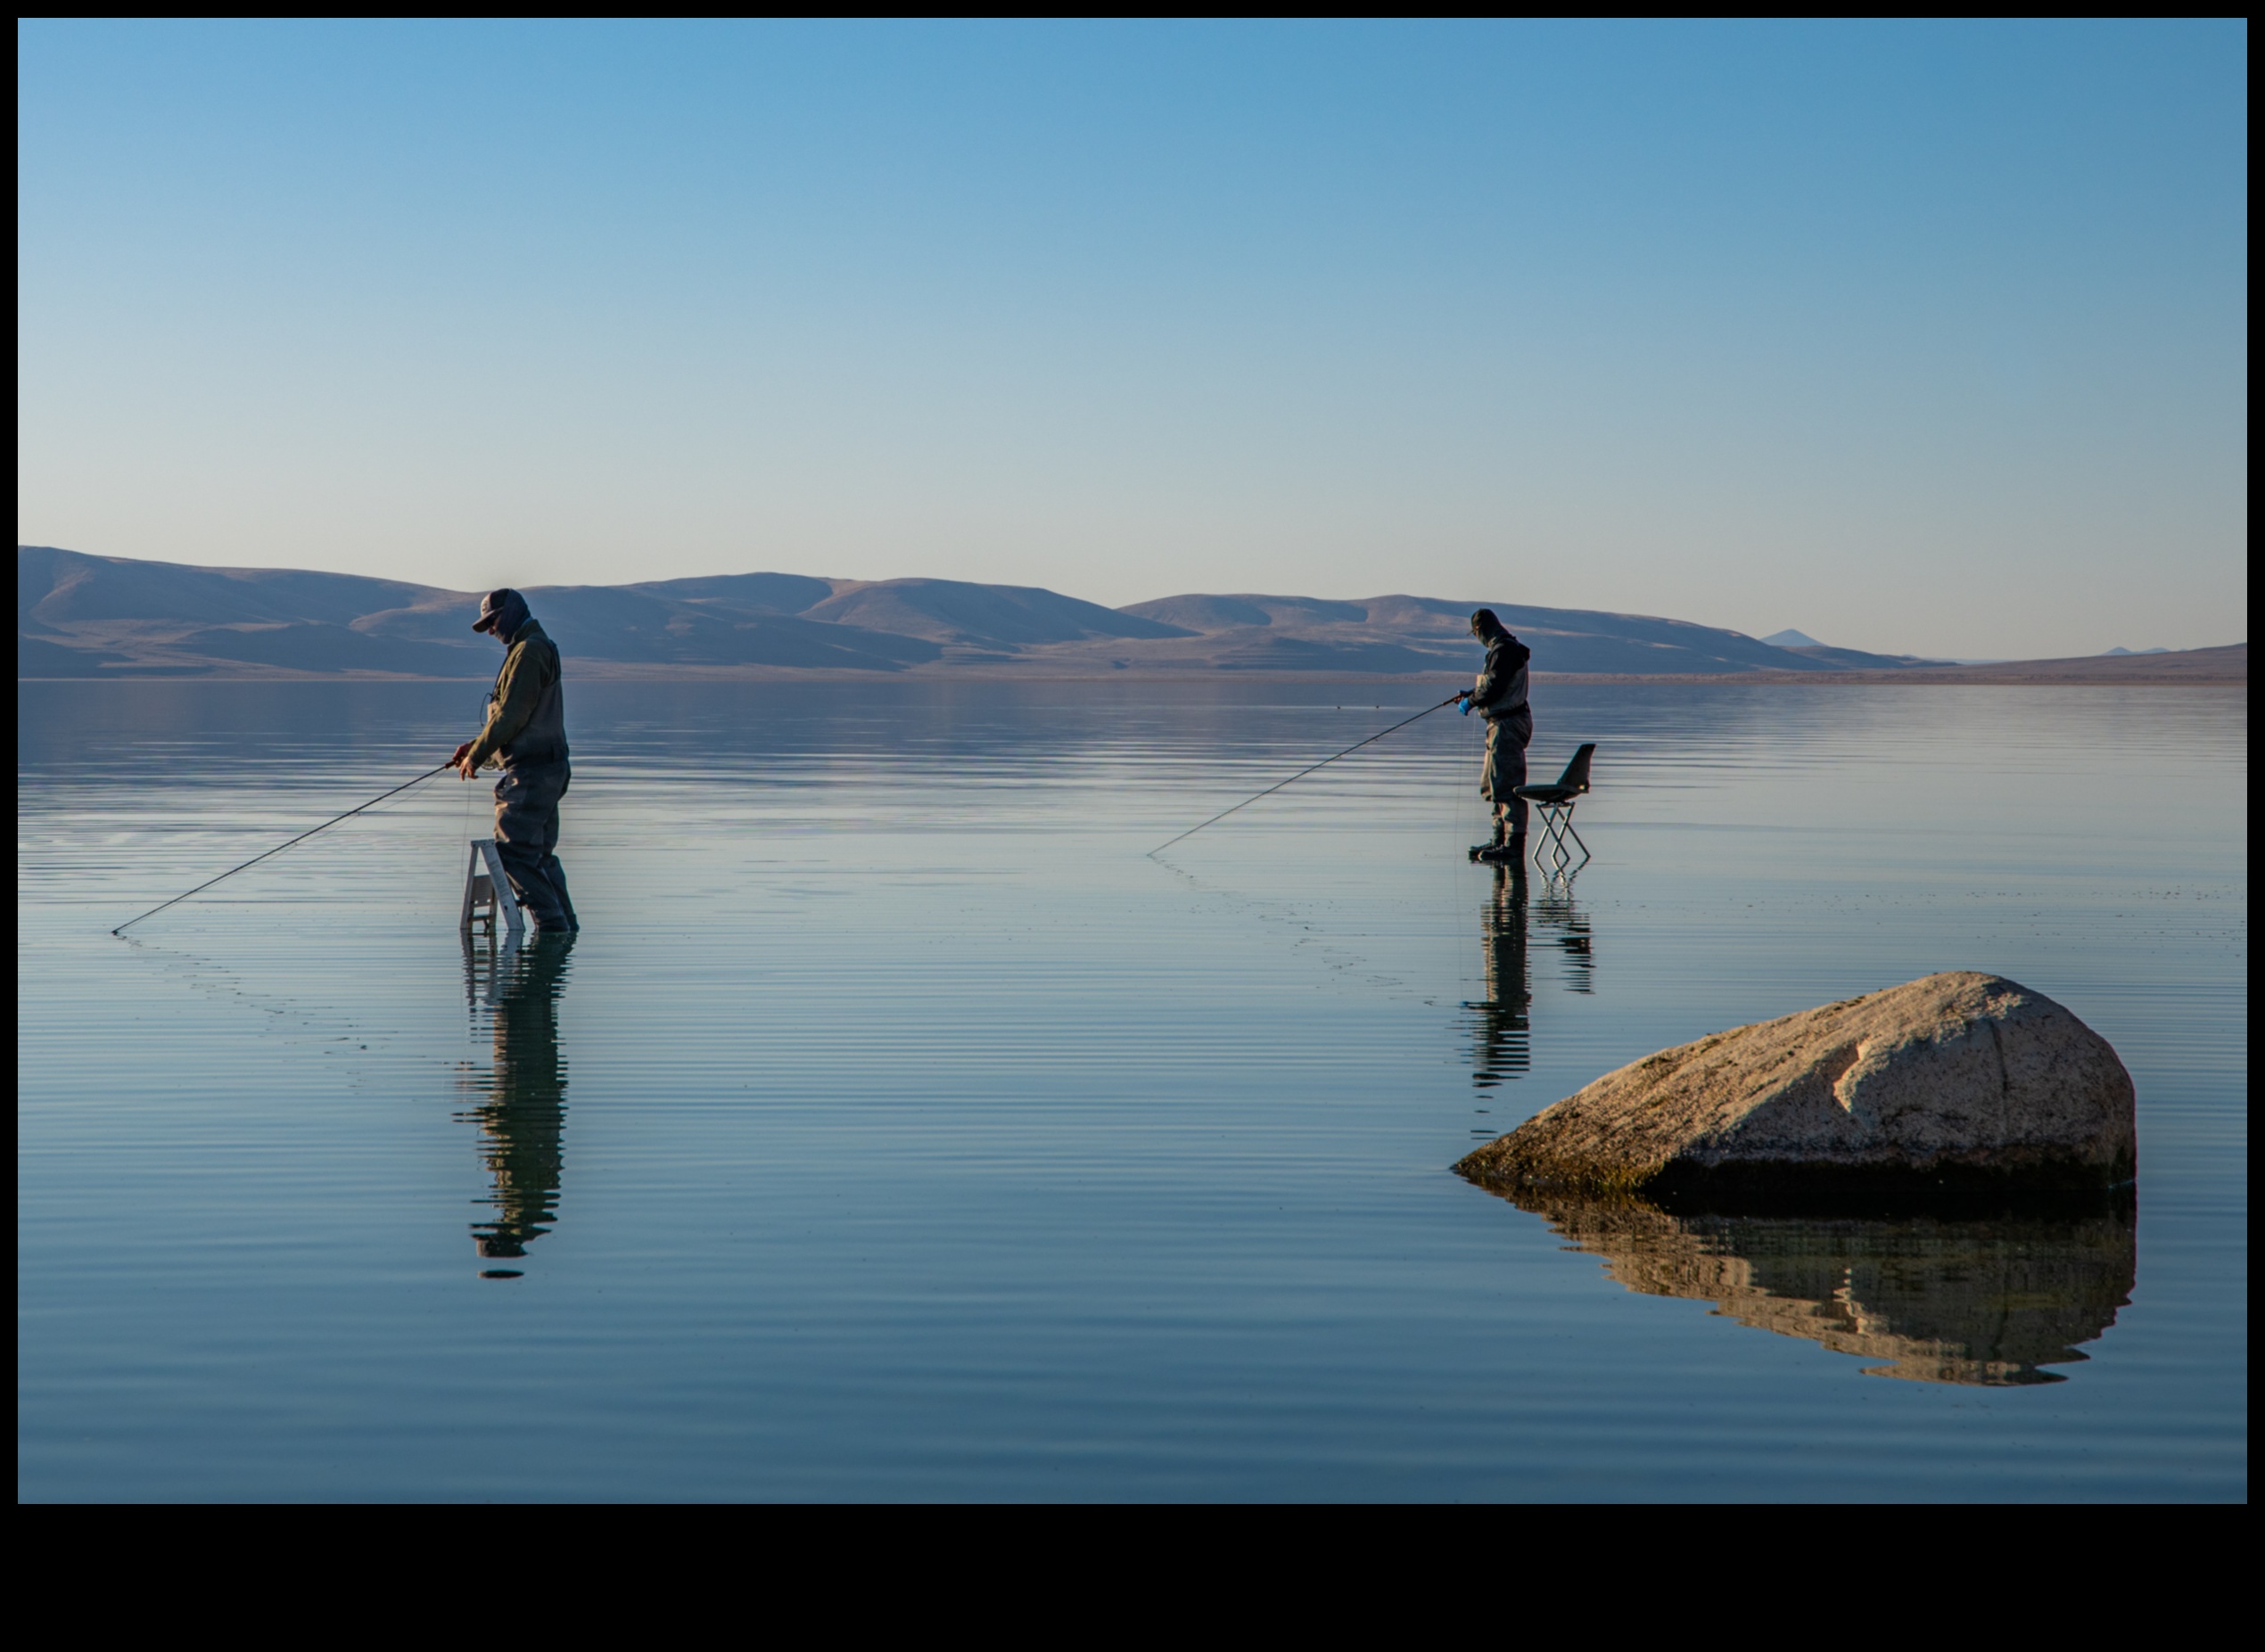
<point x="488" y="893"/>
<point x="1554" y="804"/>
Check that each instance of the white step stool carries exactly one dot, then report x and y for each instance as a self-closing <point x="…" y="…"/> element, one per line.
<point x="487" y="890"/>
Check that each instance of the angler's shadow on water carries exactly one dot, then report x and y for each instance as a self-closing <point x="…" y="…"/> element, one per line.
<point x="1522" y="912"/>
<point x="519" y="1102"/>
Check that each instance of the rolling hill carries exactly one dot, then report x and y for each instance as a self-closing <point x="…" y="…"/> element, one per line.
<point x="114" y="617"/>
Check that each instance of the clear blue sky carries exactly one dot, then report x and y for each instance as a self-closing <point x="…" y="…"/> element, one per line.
<point x="1914" y="336"/>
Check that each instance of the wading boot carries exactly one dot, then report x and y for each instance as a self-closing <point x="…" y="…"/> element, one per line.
<point x="1490" y="852"/>
<point x="1508" y="851"/>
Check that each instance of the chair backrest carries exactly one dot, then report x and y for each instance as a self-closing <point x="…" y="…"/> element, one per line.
<point x="1575" y="778"/>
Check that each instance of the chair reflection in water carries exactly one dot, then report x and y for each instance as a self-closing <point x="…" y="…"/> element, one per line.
<point x="1502" y="1023"/>
<point x="1554" y="909"/>
<point x="520" y="1102"/>
<point x="1554" y="804"/>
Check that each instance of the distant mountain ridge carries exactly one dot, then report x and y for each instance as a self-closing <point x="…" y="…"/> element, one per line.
<point x="1250" y="631"/>
<point x="84" y="616"/>
<point x="109" y="616"/>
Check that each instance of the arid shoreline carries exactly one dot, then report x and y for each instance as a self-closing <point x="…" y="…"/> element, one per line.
<point x="2017" y="676"/>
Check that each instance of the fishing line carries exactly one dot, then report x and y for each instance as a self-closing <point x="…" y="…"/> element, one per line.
<point x="279" y="848"/>
<point x="1324" y="763"/>
<point x="1478" y="813"/>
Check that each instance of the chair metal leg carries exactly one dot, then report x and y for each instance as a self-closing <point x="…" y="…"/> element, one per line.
<point x="1575" y="837"/>
<point x="487" y="892"/>
<point x="1553" y="844"/>
<point x="1557" y="826"/>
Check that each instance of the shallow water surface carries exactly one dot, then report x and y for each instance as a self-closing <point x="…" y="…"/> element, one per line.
<point x="897" y="1128"/>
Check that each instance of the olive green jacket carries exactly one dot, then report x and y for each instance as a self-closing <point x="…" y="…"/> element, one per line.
<point x="526" y="709"/>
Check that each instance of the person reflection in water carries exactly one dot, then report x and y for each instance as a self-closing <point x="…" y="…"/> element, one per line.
<point x="1501" y="1045"/>
<point x="522" y="1105"/>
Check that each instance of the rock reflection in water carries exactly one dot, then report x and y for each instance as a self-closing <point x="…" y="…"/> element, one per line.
<point x="520" y="1102"/>
<point x="1502" y="1024"/>
<point x="1946" y="1297"/>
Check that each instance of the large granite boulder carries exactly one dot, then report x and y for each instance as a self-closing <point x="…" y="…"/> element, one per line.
<point x="1952" y="1081"/>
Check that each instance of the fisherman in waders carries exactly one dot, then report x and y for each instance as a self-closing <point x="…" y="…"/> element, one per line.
<point x="1499" y="696"/>
<point x="526" y="738"/>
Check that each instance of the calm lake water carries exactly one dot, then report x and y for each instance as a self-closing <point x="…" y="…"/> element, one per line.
<point x="896" y="1128"/>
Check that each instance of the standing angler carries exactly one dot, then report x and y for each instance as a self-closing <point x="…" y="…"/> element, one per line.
<point x="526" y="738"/>
<point x="1500" y="695"/>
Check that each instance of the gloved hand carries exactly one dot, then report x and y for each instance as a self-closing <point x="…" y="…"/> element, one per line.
<point x="1465" y="707"/>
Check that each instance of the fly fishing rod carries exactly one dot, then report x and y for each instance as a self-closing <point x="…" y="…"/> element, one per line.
<point x="1460" y="694"/>
<point x="279" y="848"/>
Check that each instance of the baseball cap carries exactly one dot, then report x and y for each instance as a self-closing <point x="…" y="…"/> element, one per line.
<point x="506" y="605"/>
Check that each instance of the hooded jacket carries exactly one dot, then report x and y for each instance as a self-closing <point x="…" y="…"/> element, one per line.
<point x="526" y="709"/>
<point x="1501" y="690"/>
